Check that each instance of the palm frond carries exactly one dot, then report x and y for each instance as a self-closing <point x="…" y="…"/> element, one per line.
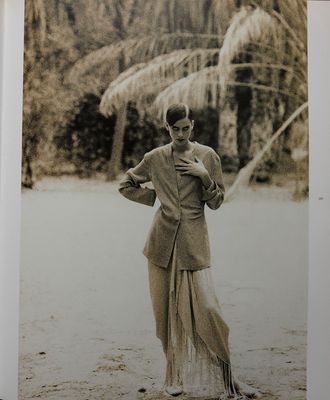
<point x="198" y="89"/>
<point x="139" y="83"/>
<point x="245" y="173"/>
<point x="247" y="25"/>
<point x="296" y="44"/>
<point x="141" y="49"/>
<point x="294" y="12"/>
<point x="265" y="88"/>
<point x="202" y="88"/>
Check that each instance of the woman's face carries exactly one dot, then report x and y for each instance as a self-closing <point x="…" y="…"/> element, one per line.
<point x="180" y="131"/>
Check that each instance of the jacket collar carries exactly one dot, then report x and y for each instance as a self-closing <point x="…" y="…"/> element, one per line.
<point x="169" y="148"/>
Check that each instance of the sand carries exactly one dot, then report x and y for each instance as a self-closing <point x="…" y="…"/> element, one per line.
<point x="86" y="324"/>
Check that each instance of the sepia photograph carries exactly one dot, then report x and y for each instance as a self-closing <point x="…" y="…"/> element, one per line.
<point x="165" y="191"/>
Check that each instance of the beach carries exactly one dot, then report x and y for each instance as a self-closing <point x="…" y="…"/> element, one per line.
<point x="86" y="324"/>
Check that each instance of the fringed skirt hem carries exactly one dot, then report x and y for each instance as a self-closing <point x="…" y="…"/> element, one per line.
<point x="193" y="333"/>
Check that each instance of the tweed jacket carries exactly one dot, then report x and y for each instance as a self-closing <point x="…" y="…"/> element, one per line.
<point x="182" y="198"/>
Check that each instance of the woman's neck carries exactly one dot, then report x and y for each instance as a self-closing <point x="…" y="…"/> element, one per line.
<point x="182" y="149"/>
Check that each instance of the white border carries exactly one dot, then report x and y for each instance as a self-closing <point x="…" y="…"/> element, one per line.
<point x="318" y="354"/>
<point x="11" y="50"/>
<point x="12" y="18"/>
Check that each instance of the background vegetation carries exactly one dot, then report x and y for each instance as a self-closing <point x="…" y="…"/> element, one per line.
<point x="241" y="65"/>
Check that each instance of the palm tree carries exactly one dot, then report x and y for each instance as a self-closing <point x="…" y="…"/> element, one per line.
<point x="283" y="29"/>
<point x="275" y="41"/>
<point x="49" y="47"/>
<point x="35" y="35"/>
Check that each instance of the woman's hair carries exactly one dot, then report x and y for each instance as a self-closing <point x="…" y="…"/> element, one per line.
<point x="177" y="111"/>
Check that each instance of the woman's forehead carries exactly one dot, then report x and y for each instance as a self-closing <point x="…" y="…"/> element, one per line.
<point x="182" y="122"/>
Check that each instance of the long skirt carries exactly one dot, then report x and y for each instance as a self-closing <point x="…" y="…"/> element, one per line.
<point x="191" y="328"/>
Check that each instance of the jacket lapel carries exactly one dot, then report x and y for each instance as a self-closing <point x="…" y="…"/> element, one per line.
<point x="170" y="167"/>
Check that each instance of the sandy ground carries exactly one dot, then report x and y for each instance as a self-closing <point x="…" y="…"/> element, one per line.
<point x="86" y="323"/>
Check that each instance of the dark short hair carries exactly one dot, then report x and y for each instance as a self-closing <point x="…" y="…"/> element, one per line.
<point x="177" y="111"/>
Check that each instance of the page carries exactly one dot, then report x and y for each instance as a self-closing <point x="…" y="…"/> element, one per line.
<point x="92" y="264"/>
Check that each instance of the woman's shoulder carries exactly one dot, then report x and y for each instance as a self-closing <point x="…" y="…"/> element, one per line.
<point x="204" y="149"/>
<point x="157" y="150"/>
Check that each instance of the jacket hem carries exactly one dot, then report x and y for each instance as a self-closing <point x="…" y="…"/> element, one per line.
<point x="190" y="268"/>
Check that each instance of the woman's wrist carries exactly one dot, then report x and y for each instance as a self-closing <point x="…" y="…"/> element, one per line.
<point x="206" y="180"/>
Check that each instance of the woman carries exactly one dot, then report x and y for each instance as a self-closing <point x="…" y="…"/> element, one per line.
<point x="185" y="175"/>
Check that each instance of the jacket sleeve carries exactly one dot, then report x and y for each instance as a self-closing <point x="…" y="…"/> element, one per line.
<point x="214" y="194"/>
<point x="130" y="186"/>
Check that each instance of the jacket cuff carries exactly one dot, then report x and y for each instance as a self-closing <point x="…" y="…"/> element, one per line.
<point x="140" y="195"/>
<point x="210" y="192"/>
<point x="150" y="197"/>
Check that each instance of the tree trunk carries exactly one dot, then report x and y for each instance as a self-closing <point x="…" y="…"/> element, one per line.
<point x="117" y="144"/>
<point x="261" y="132"/>
<point x="228" y="134"/>
<point x="27" y="174"/>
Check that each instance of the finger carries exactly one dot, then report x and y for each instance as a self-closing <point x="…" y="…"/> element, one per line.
<point x="182" y="165"/>
<point x="182" y="169"/>
<point x="186" y="160"/>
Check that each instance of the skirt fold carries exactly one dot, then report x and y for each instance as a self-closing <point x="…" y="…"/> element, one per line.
<point x="193" y="333"/>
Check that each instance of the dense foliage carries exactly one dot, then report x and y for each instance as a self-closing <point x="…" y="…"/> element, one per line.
<point x="74" y="50"/>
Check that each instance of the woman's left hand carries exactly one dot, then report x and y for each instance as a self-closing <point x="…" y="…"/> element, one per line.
<point x="189" y="167"/>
